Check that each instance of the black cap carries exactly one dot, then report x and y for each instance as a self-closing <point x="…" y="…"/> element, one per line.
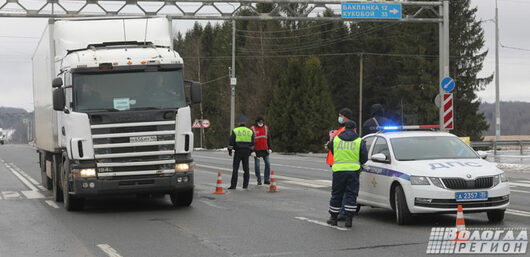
<point x="377" y="109"/>
<point x="350" y="124"/>
<point x="346" y="112"/>
<point x="259" y="118"/>
<point x="242" y="118"/>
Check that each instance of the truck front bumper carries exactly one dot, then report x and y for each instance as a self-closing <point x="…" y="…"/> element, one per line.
<point x="91" y="187"/>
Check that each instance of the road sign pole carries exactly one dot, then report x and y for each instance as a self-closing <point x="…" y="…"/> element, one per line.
<point x="233" y="76"/>
<point x="360" y="125"/>
<point x="497" y="100"/>
<point x="441" y="68"/>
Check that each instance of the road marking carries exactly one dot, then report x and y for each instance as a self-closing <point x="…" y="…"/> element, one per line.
<point x="9" y="195"/>
<point x="111" y="252"/>
<point x="281" y="165"/>
<point x="518" y="212"/>
<point x="318" y="183"/>
<point x="21" y="178"/>
<point x="28" y="177"/>
<point x="519" y="184"/>
<point x="320" y="223"/>
<point x="52" y="204"/>
<point x="32" y="194"/>
<point x="519" y="191"/>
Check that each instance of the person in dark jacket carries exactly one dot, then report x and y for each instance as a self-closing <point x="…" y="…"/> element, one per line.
<point x="242" y="141"/>
<point x="349" y="154"/>
<point x="377" y="119"/>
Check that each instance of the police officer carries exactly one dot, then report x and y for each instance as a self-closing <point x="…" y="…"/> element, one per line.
<point x="349" y="153"/>
<point x="371" y="125"/>
<point x="242" y="141"/>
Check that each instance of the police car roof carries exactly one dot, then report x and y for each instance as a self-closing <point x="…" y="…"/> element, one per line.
<point x="414" y="133"/>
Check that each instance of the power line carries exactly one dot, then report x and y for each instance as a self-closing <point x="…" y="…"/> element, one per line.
<point x="288" y="30"/>
<point x="323" y="54"/>
<point x="213" y="80"/>
<point x="514" y="48"/>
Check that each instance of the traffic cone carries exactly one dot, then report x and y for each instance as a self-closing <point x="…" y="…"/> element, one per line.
<point x="460" y="222"/>
<point x="273" y="188"/>
<point x="219" y="188"/>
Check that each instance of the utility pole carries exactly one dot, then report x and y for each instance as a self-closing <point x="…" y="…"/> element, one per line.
<point x="497" y="101"/>
<point x="233" y="80"/>
<point x="360" y="126"/>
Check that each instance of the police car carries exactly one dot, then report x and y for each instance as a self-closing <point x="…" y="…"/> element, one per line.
<point x="413" y="172"/>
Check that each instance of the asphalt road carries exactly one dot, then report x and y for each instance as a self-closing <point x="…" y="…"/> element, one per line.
<point x="240" y="223"/>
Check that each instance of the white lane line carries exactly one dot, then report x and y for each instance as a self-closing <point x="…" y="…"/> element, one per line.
<point x="519" y="191"/>
<point x="320" y="223"/>
<point x="32" y="194"/>
<point x="9" y="195"/>
<point x="519" y="184"/>
<point x="26" y="175"/>
<point x="52" y="204"/>
<point x="21" y="178"/>
<point x="518" y="212"/>
<point x="111" y="252"/>
<point x="319" y="183"/>
<point x="281" y="165"/>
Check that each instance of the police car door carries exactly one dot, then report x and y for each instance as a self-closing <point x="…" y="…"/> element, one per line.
<point x="379" y="171"/>
<point x="365" y="190"/>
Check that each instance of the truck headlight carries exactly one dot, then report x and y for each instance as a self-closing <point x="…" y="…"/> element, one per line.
<point x="87" y="173"/>
<point x="437" y="182"/>
<point x="184" y="167"/>
<point x="419" y="180"/>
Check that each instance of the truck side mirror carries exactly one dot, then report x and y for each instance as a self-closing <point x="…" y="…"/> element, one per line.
<point x="58" y="99"/>
<point x="196" y="93"/>
<point x="57" y="82"/>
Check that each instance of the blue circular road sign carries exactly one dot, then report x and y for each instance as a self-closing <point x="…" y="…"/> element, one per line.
<point x="447" y="84"/>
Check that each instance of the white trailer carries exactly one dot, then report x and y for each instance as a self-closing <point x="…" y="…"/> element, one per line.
<point x="111" y="112"/>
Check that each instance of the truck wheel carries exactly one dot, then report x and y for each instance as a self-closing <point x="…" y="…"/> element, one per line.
<point x="45" y="180"/>
<point x="57" y="192"/>
<point x="495" y="216"/>
<point x="71" y="203"/>
<point x="400" y="206"/>
<point x="183" y="198"/>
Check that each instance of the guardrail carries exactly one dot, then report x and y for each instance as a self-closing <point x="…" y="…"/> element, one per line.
<point x="495" y="144"/>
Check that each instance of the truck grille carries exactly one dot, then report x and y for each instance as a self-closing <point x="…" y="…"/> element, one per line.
<point x="115" y="153"/>
<point x="460" y="183"/>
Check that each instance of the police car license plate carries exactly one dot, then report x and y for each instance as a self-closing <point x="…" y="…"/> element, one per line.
<point x="142" y="139"/>
<point x="471" y="196"/>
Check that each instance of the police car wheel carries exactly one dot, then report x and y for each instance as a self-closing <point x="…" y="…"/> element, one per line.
<point x="496" y="215"/>
<point x="358" y="209"/>
<point x="400" y="206"/>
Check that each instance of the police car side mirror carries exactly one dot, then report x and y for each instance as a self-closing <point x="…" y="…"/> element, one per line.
<point x="483" y="154"/>
<point x="380" y="157"/>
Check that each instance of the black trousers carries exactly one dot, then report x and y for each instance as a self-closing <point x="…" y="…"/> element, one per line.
<point x="240" y="155"/>
<point x="344" y="191"/>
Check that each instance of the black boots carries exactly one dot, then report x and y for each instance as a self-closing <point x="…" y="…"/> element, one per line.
<point x="348" y="222"/>
<point x="332" y="220"/>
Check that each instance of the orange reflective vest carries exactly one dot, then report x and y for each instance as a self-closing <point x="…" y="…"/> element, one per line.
<point x="329" y="159"/>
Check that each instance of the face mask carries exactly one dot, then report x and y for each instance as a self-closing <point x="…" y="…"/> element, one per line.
<point x="341" y="120"/>
<point x="260" y="125"/>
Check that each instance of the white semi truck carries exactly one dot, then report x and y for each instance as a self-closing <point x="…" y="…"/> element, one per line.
<point x="112" y="113"/>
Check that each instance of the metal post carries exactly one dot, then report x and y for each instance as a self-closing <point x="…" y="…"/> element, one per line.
<point x="232" y="79"/>
<point x="360" y="125"/>
<point x="497" y="101"/>
<point x="445" y="53"/>
<point x="441" y="67"/>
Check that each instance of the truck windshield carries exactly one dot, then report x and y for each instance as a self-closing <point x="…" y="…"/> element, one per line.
<point x="433" y="147"/>
<point x="125" y="91"/>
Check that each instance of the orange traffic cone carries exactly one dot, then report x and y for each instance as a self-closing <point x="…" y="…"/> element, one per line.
<point x="273" y="188"/>
<point x="460" y="223"/>
<point x="219" y="188"/>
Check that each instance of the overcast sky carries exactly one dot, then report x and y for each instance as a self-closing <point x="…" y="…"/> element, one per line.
<point x="19" y="37"/>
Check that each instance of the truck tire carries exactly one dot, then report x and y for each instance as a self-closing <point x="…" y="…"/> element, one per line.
<point x="495" y="216"/>
<point x="71" y="203"/>
<point x="184" y="198"/>
<point x="45" y="180"/>
<point x="400" y="206"/>
<point x="56" y="180"/>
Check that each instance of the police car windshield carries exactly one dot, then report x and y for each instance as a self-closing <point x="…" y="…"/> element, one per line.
<point x="432" y="147"/>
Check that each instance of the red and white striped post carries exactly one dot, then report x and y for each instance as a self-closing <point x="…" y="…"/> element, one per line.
<point x="448" y="123"/>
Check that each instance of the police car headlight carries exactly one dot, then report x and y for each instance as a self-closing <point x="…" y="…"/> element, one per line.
<point x="437" y="182"/>
<point x="503" y="177"/>
<point x="417" y="180"/>
<point x="497" y="179"/>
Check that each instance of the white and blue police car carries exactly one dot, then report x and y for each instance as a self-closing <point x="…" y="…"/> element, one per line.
<point x="413" y="172"/>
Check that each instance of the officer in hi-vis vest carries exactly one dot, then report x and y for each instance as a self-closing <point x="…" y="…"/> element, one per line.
<point x="349" y="153"/>
<point x="242" y="141"/>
